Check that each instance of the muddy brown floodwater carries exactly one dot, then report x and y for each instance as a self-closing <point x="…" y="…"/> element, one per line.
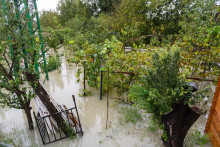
<point x="92" y="112"/>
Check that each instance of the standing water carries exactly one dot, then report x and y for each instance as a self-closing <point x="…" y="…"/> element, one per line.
<point x="92" y="112"/>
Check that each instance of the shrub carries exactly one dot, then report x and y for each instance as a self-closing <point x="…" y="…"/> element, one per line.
<point x="54" y="62"/>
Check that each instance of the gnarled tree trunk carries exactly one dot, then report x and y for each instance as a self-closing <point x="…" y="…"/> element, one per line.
<point x="27" y="110"/>
<point x="178" y="122"/>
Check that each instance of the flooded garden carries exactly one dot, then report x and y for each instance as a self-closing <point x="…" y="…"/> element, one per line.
<point x="93" y="114"/>
<point x="117" y="73"/>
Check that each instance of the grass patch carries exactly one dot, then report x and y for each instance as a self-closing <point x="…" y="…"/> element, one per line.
<point x="196" y="138"/>
<point x="130" y="114"/>
<point x="14" y="138"/>
<point x="87" y="93"/>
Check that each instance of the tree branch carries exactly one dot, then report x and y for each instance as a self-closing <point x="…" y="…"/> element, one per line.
<point x="17" y="90"/>
<point x="139" y="37"/>
<point x="199" y="79"/>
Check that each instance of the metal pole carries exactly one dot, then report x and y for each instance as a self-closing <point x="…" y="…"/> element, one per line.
<point x="17" y="11"/>
<point x="30" y="27"/>
<point x="101" y="74"/>
<point x="84" y="79"/>
<point x="41" y="40"/>
<point x="107" y="101"/>
<point x="77" y="113"/>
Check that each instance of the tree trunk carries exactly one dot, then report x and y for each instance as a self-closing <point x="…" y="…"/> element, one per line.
<point x="29" y="118"/>
<point x="45" y="98"/>
<point x="177" y="123"/>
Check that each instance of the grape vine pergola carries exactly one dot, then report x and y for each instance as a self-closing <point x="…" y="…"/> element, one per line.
<point x="26" y="11"/>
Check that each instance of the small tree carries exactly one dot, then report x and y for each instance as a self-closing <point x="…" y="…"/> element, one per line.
<point x="13" y="89"/>
<point x="164" y="92"/>
<point x="19" y="60"/>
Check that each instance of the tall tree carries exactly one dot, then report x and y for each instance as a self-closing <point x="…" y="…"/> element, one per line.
<point x="134" y="18"/>
<point x="103" y="6"/>
<point x="49" y="19"/>
<point x="199" y="39"/>
<point x="70" y="9"/>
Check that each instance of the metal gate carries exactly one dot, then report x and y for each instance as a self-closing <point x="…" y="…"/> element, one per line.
<point x="50" y="131"/>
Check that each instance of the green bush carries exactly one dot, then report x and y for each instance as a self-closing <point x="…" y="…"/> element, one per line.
<point x="54" y="62"/>
<point x="70" y="132"/>
<point x="163" y="86"/>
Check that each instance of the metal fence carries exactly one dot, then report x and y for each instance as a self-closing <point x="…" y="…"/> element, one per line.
<point x="50" y="131"/>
